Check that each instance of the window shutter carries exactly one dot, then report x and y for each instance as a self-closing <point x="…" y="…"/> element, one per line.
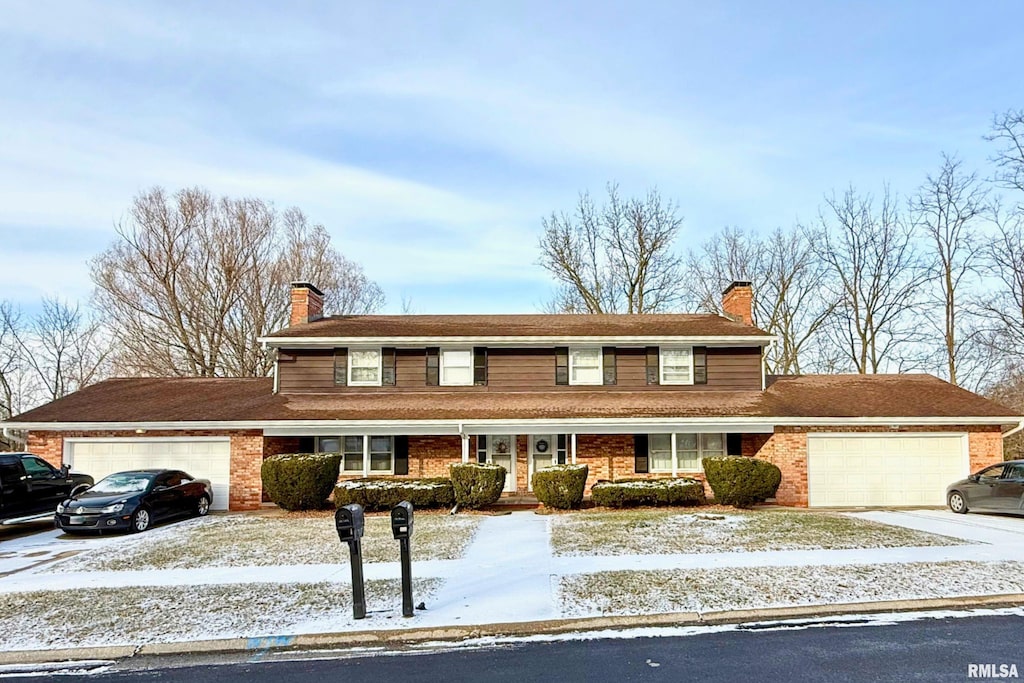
<point x="700" y="365"/>
<point x="562" y="365"/>
<point x="480" y="365"/>
<point x="734" y="444"/>
<point x="433" y="366"/>
<point x="340" y="367"/>
<point x="641" y="455"/>
<point x="307" y="444"/>
<point x="481" y="448"/>
<point x="561" y="449"/>
<point x="401" y="455"/>
<point x="610" y="374"/>
<point x="387" y="374"/>
<point x="652" y="365"/>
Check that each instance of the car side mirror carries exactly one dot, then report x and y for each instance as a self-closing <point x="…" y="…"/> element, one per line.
<point x="65" y="470"/>
<point x="973" y="477"/>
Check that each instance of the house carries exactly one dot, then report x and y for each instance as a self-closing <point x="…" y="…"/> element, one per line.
<point x="628" y="395"/>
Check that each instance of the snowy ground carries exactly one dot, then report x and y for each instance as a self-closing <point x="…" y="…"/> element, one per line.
<point x="122" y="590"/>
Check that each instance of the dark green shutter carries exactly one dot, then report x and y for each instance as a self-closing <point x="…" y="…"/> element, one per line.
<point x="700" y="365"/>
<point x="340" y="367"/>
<point x="387" y="376"/>
<point x="433" y="366"/>
<point x="641" y="455"/>
<point x="561" y="449"/>
<point x="562" y="365"/>
<point x="653" y="371"/>
<point x="480" y="365"/>
<point x="610" y="374"/>
<point x="401" y="455"/>
<point x="481" y="448"/>
<point x="734" y="444"/>
<point x="307" y="444"/>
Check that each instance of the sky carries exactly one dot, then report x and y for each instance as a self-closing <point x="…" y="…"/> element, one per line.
<point x="432" y="138"/>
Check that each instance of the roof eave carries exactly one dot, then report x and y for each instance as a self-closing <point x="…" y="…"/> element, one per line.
<point x="519" y="340"/>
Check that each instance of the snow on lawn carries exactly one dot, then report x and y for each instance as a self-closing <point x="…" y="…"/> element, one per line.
<point x="264" y="540"/>
<point x="647" y="592"/>
<point x="669" y="532"/>
<point x="129" y="616"/>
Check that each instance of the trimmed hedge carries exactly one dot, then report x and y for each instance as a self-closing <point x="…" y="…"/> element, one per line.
<point x="560" y="486"/>
<point x="657" y="492"/>
<point x="740" y="481"/>
<point x="376" y="493"/>
<point x="300" y="481"/>
<point x="477" y="484"/>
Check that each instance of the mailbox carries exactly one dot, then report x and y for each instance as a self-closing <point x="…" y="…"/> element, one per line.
<point x="348" y="521"/>
<point x="401" y="520"/>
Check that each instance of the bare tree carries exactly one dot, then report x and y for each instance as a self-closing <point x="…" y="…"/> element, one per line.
<point x="193" y="280"/>
<point x="1008" y="132"/>
<point x="615" y="259"/>
<point x="1009" y="391"/>
<point x="10" y="357"/>
<point x="947" y="208"/>
<point x="875" y="279"/>
<point x="1002" y="305"/>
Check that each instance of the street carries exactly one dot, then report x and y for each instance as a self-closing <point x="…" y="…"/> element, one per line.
<point x="926" y="649"/>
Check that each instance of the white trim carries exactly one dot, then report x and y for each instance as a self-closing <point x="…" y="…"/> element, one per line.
<point x="519" y="340"/>
<point x="144" y="439"/>
<point x="380" y="366"/>
<point x="465" y="447"/>
<point x="574" y="448"/>
<point x="661" y="365"/>
<point x="276" y="380"/>
<point x="673" y="450"/>
<point x="366" y="455"/>
<point x="440" y="366"/>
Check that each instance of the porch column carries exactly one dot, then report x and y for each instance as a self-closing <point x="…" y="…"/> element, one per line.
<point x="465" y="447"/>
<point x="675" y="463"/>
<point x="572" y="448"/>
<point x="366" y="455"/>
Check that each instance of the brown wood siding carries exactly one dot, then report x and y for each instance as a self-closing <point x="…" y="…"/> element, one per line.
<point x="312" y="371"/>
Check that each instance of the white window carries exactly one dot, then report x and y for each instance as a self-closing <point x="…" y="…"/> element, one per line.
<point x="660" y="446"/>
<point x="364" y="367"/>
<point x="676" y="365"/>
<point x="353" y="454"/>
<point x="456" y="367"/>
<point x="690" y="449"/>
<point x="382" y="453"/>
<point x="585" y="366"/>
<point x="688" y="452"/>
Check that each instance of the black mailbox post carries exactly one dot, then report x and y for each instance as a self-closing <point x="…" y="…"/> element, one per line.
<point x="348" y="521"/>
<point x="401" y="529"/>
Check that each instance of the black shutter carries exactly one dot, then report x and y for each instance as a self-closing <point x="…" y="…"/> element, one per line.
<point x="734" y="444"/>
<point x="480" y="365"/>
<point x="401" y="455"/>
<point x="481" y="448"/>
<point x="307" y="444"/>
<point x="610" y="374"/>
<point x="561" y="449"/>
<point x="641" y="455"/>
<point x="340" y="367"/>
<point x="562" y="365"/>
<point x="700" y="365"/>
<point x="433" y="366"/>
<point x="653" y="371"/>
<point x="387" y="375"/>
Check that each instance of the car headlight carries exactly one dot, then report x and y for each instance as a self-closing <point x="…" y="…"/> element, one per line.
<point x="60" y="508"/>
<point x="111" y="509"/>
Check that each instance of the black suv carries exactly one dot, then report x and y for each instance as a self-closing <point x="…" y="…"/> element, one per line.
<point x="30" y="486"/>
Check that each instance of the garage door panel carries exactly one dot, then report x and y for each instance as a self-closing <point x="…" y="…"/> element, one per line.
<point x="883" y="470"/>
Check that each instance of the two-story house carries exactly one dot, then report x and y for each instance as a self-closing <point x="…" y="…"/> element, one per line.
<point x="628" y="395"/>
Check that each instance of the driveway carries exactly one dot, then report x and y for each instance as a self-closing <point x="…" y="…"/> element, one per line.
<point x="979" y="528"/>
<point x="29" y="545"/>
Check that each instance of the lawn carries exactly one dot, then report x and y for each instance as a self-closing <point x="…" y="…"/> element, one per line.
<point x="665" y="532"/>
<point x="700" y="590"/>
<point x="267" y="540"/>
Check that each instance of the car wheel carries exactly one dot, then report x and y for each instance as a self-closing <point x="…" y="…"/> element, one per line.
<point x="202" y="507"/>
<point x="140" y="520"/>
<point x="957" y="503"/>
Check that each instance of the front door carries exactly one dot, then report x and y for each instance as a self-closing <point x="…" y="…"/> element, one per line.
<point x="546" y="450"/>
<point x="500" y="449"/>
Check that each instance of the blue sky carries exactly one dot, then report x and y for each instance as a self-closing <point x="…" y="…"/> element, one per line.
<point x="431" y="138"/>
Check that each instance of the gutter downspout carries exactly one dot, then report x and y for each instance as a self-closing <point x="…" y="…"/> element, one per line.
<point x="1020" y="426"/>
<point x="10" y="436"/>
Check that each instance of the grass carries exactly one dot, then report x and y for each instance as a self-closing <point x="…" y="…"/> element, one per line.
<point x="700" y="590"/>
<point x="663" y="532"/>
<point x="259" y="541"/>
<point x="111" y="616"/>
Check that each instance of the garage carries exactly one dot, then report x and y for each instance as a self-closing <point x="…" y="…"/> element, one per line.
<point x="205" y="458"/>
<point x="884" y="469"/>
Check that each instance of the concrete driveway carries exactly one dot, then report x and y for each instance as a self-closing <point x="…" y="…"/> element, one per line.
<point x="29" y="545"/>
<point x="995" y="529"/>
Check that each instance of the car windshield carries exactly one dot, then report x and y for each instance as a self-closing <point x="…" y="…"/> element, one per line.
<point x="123" y="482"/>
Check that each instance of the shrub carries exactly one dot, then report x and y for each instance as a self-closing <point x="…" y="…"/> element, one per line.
<point x="300" y="481"/>
<point x="740" y="481"/>
<point x="377" y="493"/>
<point x="477" y="485"/>
<point x="656" y="492"/>
<point x="560" y="486"/>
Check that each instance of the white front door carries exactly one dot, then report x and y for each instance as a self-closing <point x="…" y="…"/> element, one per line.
<point x="501" y="450"/>
<point x="543" y="453"/>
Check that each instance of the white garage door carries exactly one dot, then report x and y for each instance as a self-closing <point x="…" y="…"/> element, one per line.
<point x="208" y="458"/>
<point x="868" y="470"/>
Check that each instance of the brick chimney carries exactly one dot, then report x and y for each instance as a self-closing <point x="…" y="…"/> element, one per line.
<point x="738" y="302"/>
<point x="307" y="303"/>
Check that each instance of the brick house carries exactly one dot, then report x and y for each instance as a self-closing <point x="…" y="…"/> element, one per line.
<point x="628" y="395"/>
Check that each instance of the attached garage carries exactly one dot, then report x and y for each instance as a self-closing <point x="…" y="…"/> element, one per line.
<point x="883" y="469"/>
<point x="205" y="458"/>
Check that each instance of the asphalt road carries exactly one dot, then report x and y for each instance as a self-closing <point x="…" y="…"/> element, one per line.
<point x="924" y="650"/>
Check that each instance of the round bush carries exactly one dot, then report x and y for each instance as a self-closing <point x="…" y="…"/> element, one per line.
<point x="300" y="481"/>
<point x="656" y="492"/>
<point x="384" y="494"/>
<point x="740" y="481"/>
<point x="477" y="484"/>
<point x="560" y="486"/>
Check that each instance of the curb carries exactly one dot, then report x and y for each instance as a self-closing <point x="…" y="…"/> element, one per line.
<point x="399" y="638"/>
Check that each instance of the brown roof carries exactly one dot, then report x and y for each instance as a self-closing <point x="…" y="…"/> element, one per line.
<point x="229" y="400"/>
<point x="561" y="325"/>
